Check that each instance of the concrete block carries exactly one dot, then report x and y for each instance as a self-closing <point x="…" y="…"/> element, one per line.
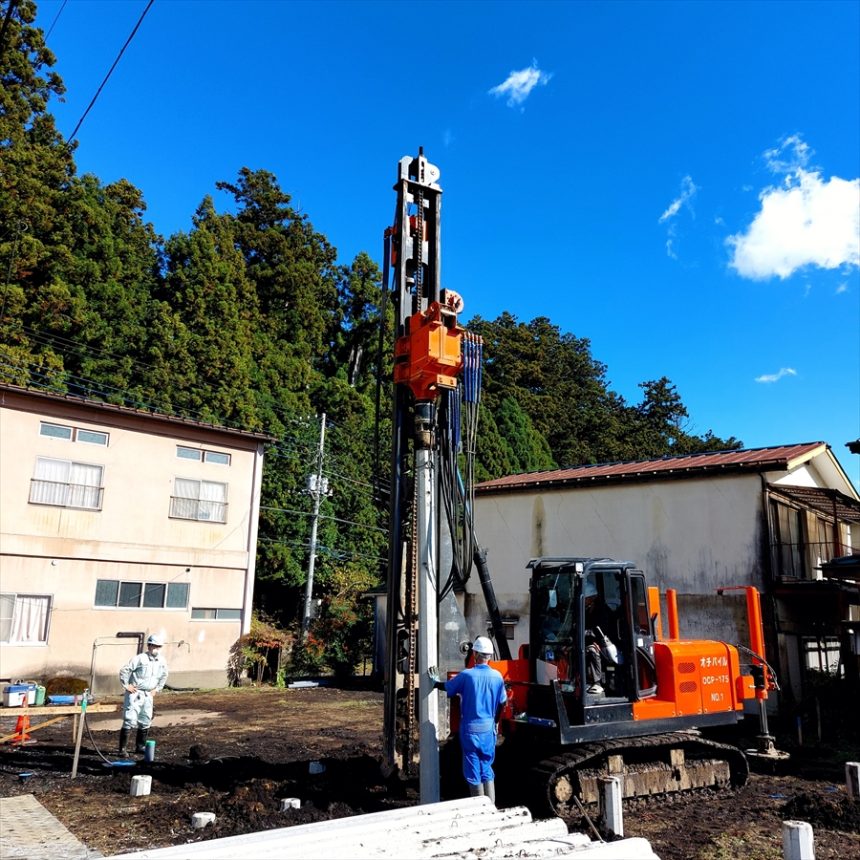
<point x="201" y="819"/>
<point x="140" y="786"/>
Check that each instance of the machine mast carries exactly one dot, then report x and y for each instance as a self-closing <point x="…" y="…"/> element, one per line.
<point x="437" y="367"/>
<point x="426" y="364"/>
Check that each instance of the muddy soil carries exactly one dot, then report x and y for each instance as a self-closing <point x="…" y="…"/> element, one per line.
<point x="238" y="752"/>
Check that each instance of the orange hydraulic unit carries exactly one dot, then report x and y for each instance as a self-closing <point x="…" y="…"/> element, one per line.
<point x="695" y="677"/>
<point x="428" y="357"/>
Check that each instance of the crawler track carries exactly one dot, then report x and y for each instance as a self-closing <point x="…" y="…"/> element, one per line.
<point x="658" y="764"/>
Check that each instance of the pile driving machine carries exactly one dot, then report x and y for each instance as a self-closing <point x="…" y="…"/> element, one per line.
<point x="657" y="697"/>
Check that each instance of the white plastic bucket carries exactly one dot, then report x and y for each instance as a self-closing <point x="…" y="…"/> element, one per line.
<point x="200" y="819"/>
<point x="140" y="786"/>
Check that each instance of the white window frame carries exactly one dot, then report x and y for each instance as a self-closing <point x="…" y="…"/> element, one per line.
<point x="26" y="643"/>
<point x="80" y="430"/>
<point x="57" y="498"/>
<point x="199" y="509"/>
<point x="216" y="610"/>
<point x="74" y="434"/>
<point x="203" y="455"/>
<point x="43" y="425"/>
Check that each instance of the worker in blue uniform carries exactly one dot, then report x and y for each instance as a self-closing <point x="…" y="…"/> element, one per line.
<point x="482" y="697"/>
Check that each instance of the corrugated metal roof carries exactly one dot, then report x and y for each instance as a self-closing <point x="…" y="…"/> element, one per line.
<point x="825" y="500"/>
<point x="777" y="458"/>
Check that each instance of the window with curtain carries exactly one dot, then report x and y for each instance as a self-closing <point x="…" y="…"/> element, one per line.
<point x="67" y="484"/>
<point x="199" y="500"/>
<point x="24" y="617"/>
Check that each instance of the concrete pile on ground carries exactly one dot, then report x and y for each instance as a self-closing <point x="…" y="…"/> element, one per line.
<point x="467" y="829"/>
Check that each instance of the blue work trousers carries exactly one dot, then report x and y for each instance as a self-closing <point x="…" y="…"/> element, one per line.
<point x="479" y="750"/>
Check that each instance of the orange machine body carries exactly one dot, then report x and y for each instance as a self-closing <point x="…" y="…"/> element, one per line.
<point x="695" y="677"/>
<point x="428" y="357"/>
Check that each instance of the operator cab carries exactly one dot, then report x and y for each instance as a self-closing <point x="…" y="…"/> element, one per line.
<point x="580" y="603"/>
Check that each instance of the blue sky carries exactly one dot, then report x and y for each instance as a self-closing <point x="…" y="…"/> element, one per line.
<point x="677" y="182"/>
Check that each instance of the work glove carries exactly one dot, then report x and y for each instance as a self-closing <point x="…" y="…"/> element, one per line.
<point x="433" y="675"/>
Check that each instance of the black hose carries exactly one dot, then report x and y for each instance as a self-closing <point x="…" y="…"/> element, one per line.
<point x="763" y="662"/>
<point x="92" y="740"/>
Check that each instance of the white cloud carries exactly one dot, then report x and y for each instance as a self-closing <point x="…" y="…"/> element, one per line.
<point x="805" y="221"/>
<point x="775" y="377"/>
<point x="688" y="191"/>
<point x="519" y="84"/>
<point x="792" y="154"/>
<point x="842" y="288"/>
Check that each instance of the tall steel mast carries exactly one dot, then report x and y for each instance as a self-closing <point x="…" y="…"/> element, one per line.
<point x="427" y="361"/>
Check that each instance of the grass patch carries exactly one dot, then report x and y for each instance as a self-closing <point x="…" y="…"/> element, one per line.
<point x="751" y="846"/>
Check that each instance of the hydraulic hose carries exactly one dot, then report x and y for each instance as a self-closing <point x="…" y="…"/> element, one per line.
<point x="492" y="603"/>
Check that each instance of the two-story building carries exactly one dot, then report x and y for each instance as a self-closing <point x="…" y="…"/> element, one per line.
<point x="772" y="517"/>
<point x="116" y="523"/>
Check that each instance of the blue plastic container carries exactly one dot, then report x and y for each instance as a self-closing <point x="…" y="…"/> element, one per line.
<point x="16" y="694"/>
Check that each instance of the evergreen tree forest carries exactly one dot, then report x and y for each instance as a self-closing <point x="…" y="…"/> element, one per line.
<point x="250" y="320"/>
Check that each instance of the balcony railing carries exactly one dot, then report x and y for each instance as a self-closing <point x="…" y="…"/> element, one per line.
<point x="65" y="495"/>
<point x="198" y="509"/>
<point x="803" y="560"/>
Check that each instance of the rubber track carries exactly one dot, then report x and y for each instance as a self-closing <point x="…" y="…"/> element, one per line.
<point x="545" y="773"/>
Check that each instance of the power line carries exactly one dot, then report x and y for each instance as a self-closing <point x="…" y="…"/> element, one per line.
<point x="102" y="389"/>
<point x="326" y="550"/>
<point x="64" y="344"/>
<point x="56" y="18"/>
<point x="110" y="72"/>
<point x="323" y="517"/>
<point x="332" y="474"/>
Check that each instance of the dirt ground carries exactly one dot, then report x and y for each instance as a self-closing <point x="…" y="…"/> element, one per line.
<point x="236" y="752"/>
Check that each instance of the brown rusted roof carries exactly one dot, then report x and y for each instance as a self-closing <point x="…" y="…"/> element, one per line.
<point x="777" y="458"/>
<point x="825" y="500"/>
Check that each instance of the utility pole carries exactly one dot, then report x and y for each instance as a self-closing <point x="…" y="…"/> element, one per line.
<point x="317" y="490"/>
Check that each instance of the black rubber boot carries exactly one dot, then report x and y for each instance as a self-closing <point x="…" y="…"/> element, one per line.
<point x="123" y="741"/>
<point x="140" y="744"/>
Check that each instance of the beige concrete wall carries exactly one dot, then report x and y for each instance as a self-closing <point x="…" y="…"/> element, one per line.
<point x="197" y="650"/>
<point x="62" y="552"/>
<point x="140" y="468"/>
<point x="691" y="535"/>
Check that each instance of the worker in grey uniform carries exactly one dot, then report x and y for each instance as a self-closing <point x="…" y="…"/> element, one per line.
<point x="142" y="677"/>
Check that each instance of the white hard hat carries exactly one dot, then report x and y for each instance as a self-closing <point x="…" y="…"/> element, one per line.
<point x="483" y="645"/>
<point x="155" y="639"/>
